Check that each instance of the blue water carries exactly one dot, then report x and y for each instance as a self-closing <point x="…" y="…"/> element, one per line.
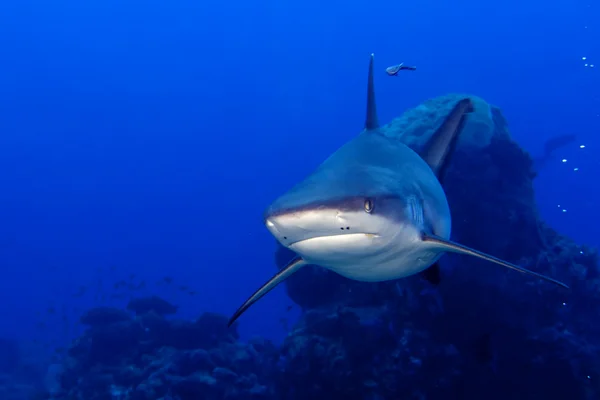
<point x="148" y="137"/>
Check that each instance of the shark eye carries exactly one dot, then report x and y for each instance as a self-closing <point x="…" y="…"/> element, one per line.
<point x="369" y="205"/>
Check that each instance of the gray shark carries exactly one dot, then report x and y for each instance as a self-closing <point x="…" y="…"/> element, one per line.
<point x="375" y="210"/>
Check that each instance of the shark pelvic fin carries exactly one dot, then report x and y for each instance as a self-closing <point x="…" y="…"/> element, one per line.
<point x="453" y="247"/>
<point x="437" y="151"/>
<point x="372" y="122"/>
<point x="282" y="275"/>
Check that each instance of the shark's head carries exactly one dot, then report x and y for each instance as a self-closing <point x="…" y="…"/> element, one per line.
<point x="343" y="229"/>
<point x="360" y="218"/>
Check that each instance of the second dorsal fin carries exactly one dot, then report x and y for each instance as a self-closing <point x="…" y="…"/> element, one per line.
<point x="372" y="122"/>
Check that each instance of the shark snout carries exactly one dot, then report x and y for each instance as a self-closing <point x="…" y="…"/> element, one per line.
<point x="295" y="226"/>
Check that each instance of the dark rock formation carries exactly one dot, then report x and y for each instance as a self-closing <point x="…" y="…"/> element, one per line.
<point x="151" y="357"/>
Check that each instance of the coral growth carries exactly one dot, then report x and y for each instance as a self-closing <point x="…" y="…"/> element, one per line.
<point x="149" y="357"/>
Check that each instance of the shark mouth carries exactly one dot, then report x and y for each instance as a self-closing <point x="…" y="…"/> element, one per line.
<point x="354" y="235"/>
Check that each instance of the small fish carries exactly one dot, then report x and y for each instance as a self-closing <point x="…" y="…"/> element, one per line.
<point x="394" y="69"/>
<point x="550" y="146"/>
<point x="557" y="142"/>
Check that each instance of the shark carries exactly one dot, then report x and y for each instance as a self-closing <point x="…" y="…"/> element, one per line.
<point x="375" y="210"/>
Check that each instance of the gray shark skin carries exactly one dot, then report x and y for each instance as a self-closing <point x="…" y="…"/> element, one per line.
<point x="375" y="210"/>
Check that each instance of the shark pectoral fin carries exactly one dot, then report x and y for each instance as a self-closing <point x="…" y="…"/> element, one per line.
<point x="453" y="247"/>
<point x="282" y="275"/>
<point x="440" y="146"/>
<point x="433" y="274"/>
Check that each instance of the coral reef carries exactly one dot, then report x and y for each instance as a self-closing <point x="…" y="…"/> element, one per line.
<point x="483" y="333"/>
<point x="149" y="357"/>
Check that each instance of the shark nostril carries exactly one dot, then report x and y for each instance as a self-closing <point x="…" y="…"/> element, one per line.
<point x="285" y="237"/>
<point x="347" y="228"/>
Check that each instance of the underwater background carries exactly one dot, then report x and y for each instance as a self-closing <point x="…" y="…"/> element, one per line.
<point x="141" y="142"/>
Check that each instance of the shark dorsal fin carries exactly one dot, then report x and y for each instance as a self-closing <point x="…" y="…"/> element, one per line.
<point x="372" y="122"/>
<point x="441" y="144"/>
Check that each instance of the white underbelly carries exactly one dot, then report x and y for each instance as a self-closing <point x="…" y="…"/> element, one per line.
<point x="396" y="266"/>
